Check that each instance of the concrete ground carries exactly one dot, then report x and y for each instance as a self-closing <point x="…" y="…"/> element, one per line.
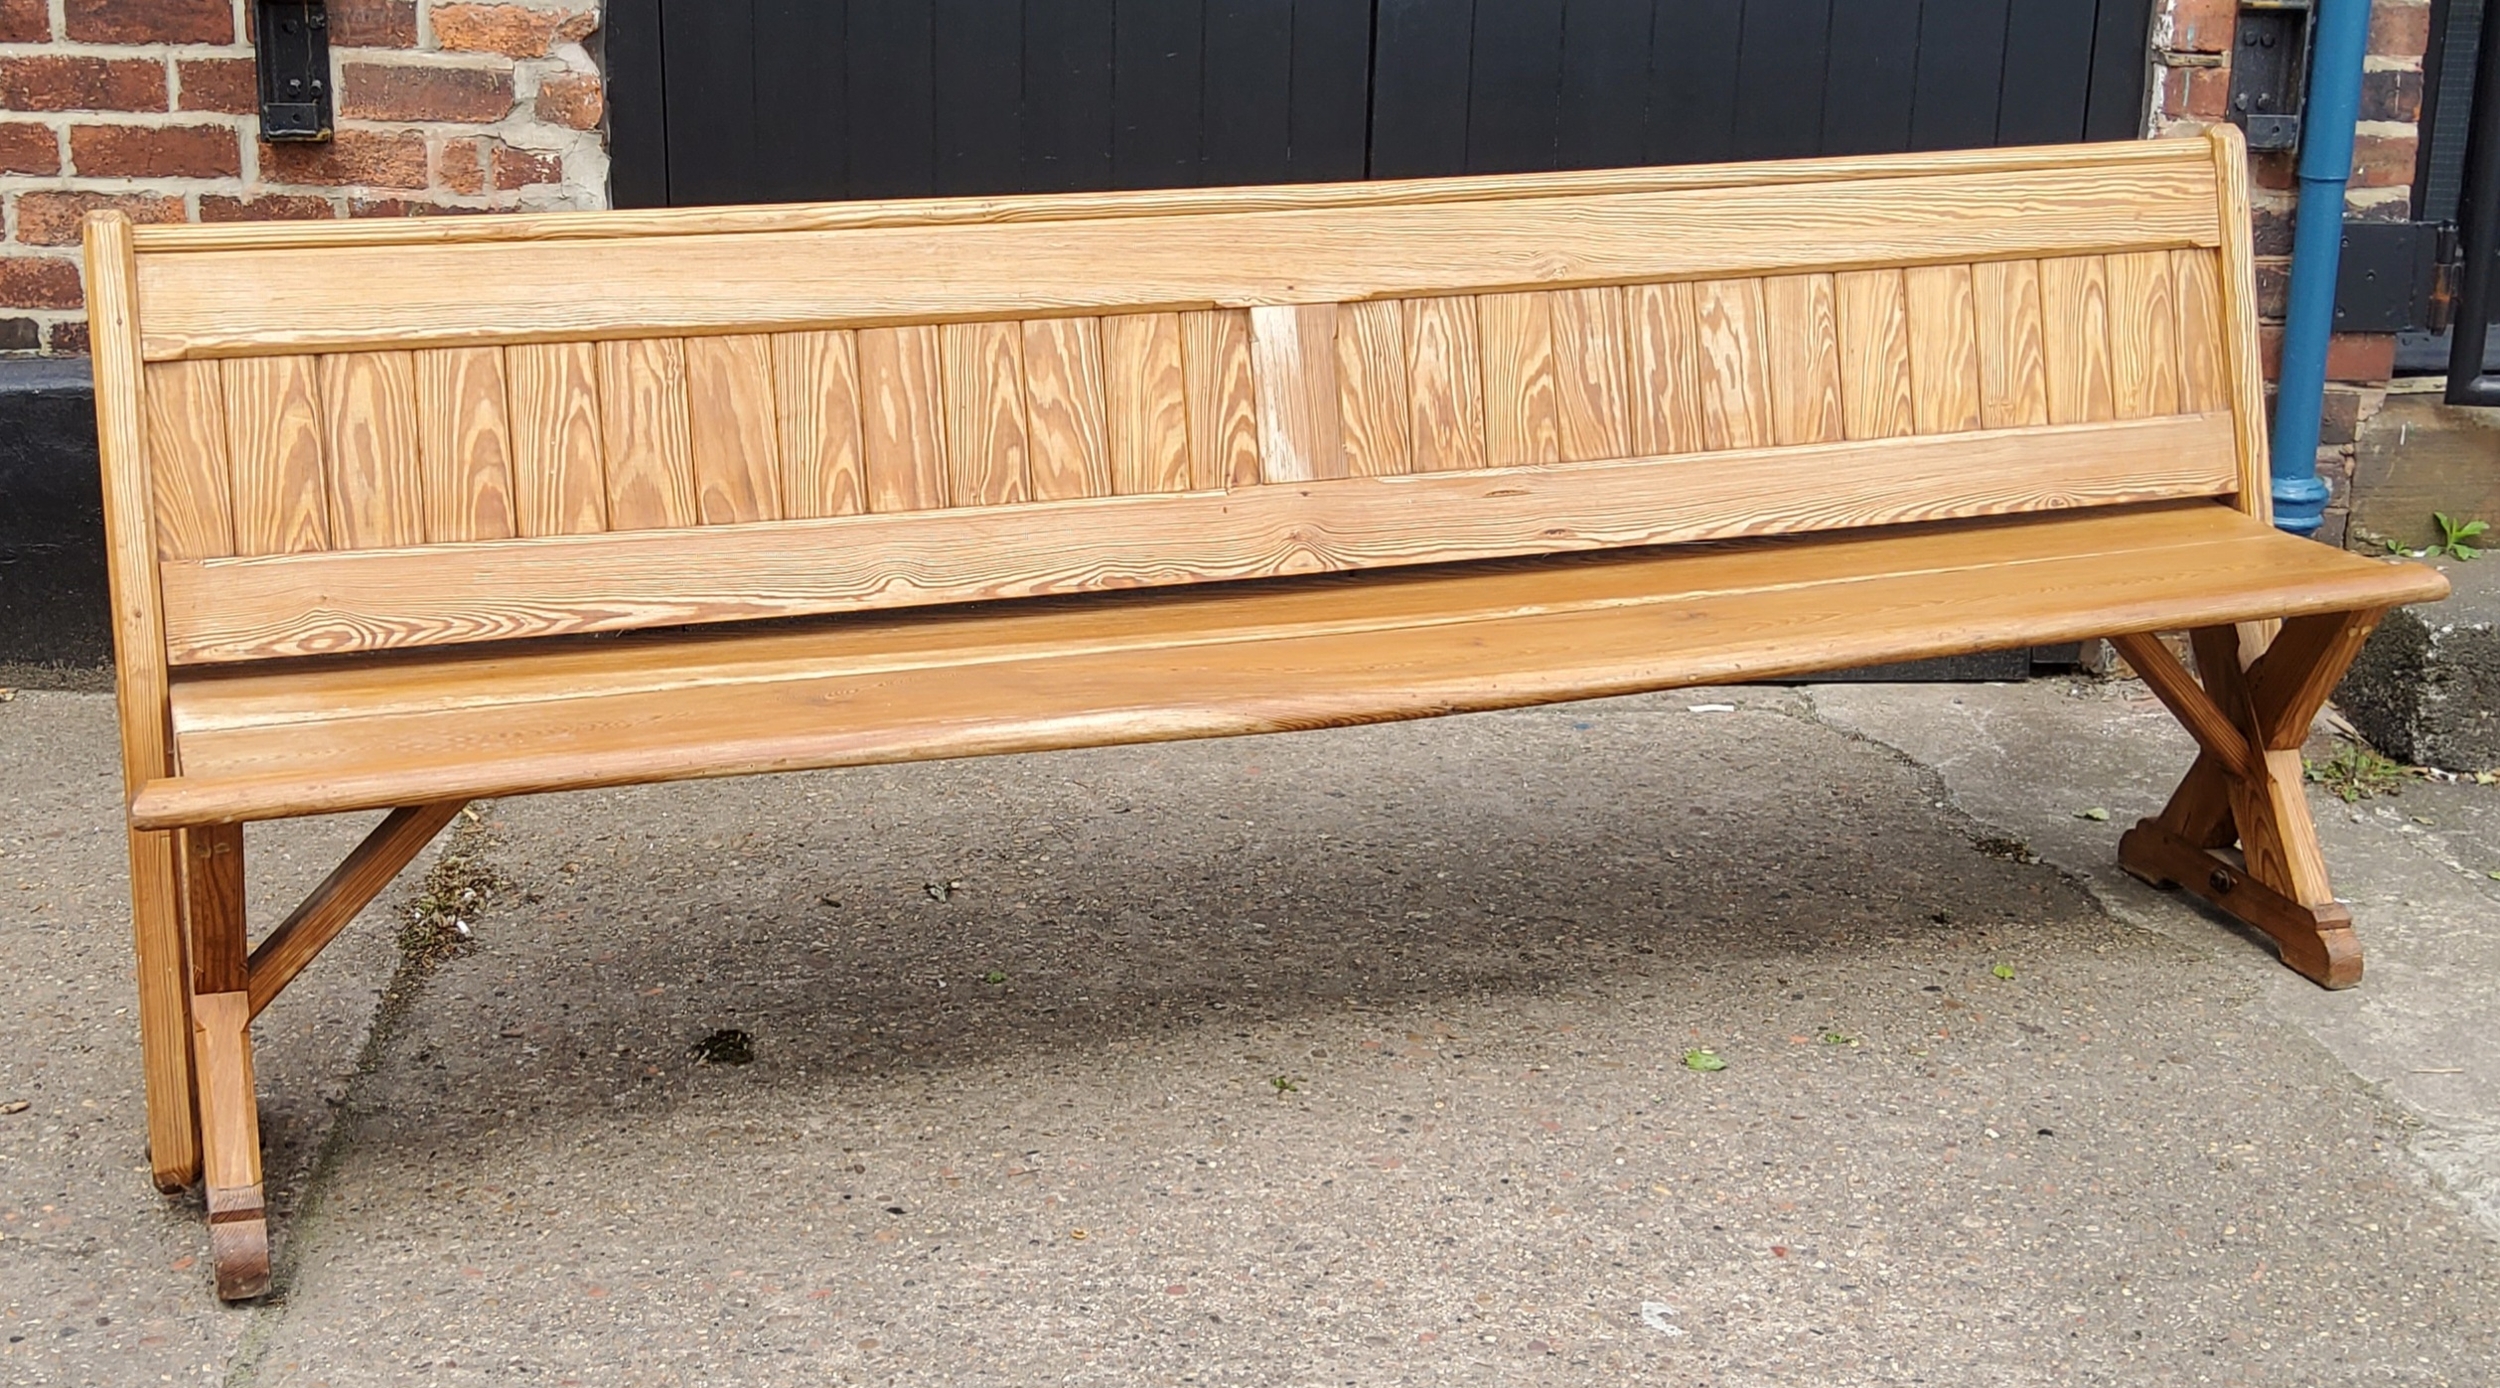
<point x="1345" y="1058"/>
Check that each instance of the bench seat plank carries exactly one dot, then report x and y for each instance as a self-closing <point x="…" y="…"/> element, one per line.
<point x="362" y="732"/>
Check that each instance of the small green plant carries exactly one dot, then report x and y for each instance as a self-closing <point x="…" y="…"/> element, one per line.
<point x="1704" y="1061"/>
<point x="2004" y="971"/>
<point x="993" y="976"/>
<point x="2456" y="537"/>
<point x="2355" y="774"/>
<point x="1285" y="1085"/>
<point x="1839" y="1038"/>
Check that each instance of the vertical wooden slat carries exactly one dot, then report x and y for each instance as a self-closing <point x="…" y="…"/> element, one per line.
<point x="642" y="421"/>
<point x="273" y="449"/>
<point x="1735" y="370"/>
<point x="1802" y="334"/>
<point x="1875" y="394"/>
<point x="1592" y="398"/>
<point x="2196" y="285"/>
<point x="369" y="425"/>
<point x="902" y="439"/>
<point x="2013" y="373"/>
<point x="1944" y="348"/>
<point x="1445" y="384"/>
<point x="1065" y="390"/>
<point x="1146" y="396"/>
<point x="816" y="398"/>
<point x="982" y="370"/>
<point x="731" y="432"/>
<point x="1373" y="408"/>
<point x="1293" y="351"/>
<point x="1520" y="424"/>
<point x="559" y="478"/>
<point x="1223" y="399"/>
<point x="464" y="444"/>
<point x="2143" y="335"/>
<point x="186" y="432"/>
<point x="1666" y="370"/>
<point x="2237" y="278"/>
<point x="2074" y="314"/>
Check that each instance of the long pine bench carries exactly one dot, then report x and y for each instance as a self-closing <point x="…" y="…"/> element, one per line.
<point x="407" y="514"/>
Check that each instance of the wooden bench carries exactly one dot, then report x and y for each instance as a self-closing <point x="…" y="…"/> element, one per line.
<point x="408" y="513"/>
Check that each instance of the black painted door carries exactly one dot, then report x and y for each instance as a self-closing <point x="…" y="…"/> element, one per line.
<point x="722" y="101"/>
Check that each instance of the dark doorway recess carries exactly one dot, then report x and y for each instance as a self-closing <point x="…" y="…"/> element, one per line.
<point x="728" y="101"/>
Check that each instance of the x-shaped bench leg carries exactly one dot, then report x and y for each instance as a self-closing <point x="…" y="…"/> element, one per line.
<point x="2246" y="785"/>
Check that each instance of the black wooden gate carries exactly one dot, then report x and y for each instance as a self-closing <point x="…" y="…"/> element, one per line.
<point x="718" y="101"/>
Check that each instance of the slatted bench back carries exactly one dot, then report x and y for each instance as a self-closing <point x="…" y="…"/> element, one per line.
<point x="361" y="436"/>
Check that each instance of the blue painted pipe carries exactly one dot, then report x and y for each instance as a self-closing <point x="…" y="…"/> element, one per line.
<point x="2326" y="127"/>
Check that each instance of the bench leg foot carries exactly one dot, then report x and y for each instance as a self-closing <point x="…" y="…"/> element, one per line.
<point x="221" y="1048"/>
<point x="2316" y="941"/>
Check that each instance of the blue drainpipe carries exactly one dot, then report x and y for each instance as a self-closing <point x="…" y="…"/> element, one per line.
<point x="2343" y="34"/>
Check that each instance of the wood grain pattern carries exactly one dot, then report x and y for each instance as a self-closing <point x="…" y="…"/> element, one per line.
<point x="232" y="609"/>
<point x="981" y="369"/>
<point x="642" y="422"/>
<point x="2074" y="312"/>
<point x="816" y="403"/>
<point x="731" y="434"/>
<point x="559" y="473"/>
<point x="2204" y="383"/>
<point x="2143" y="335"/>
<point x="1293" y="351"/>
<point x="369" y="420"/>
<point x="2013" y="370"/>
<point x="1944" y="348"/>
<point x="273" y="446"/>
<point x="1223" y="399"/>
<point x="1666" y="369"/>
<point x="464" y="444"/>
<point x="1069" y="371"/>
<point x="1445" y="383"/>
<point x="1373" y="408"/>
<point x="1592" y="395"/>
<point x="186" y="452"/>
<point x="1876" y="398"/>
<point x="1147" y="388"/>
<point x="2228" y="150"/>
<point x="1801" y="335"/>
<point x="1521" y="423"/>
<point x="1735" y="368"/>
<point x="298" y="940"/>
<point x="902" y="436"/>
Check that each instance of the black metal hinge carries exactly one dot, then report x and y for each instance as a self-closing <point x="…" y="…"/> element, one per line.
<point x="2269" y="69"/>
<point x="292" y="40"/>
<point x="2395" y="277"/>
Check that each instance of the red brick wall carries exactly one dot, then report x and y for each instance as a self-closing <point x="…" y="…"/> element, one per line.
<point x="148" y="105"/>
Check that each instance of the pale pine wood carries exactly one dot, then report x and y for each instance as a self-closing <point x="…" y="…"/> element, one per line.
<point x="1068" y="371"/>
<point x="369" y="418"/>
<point x="223" y="610"/>
<point x="1146" y="389"/>
<point x="273" y="446"/>
<point x="2143" y="335"/>
<point x="559" y="476"/>
<point x="642" y="423"/>
<point x="902" y="436"/>
<point x="2074" y="313"/>
<point x="299" y="939"/>
<point x="1802" y="335"/>
<point x="1372" y="405"/>
<point x="1445" y="383"/>
<point x="1735" y="371"/>
<point x="981" y="368"/>
<point x="732" y="438"/>
<point x="186" y="449"/>
<point x="1223" y="399"/>
<point x="1592" y="394"/>
<point x="230" y="1129"/>
<point x="2013" y="365"/>
<point x="1875" y="392"/>
<point x="2204" y="380"/>
<point x="1665" y="363"/>
<point x="464" y="444"/>
<point x="2243" y="366"/>
<point x="1293" y="352"/>
<point x="2196" y="711"/>
<point x="1944" y="348"/>
<point x="816" y="402"/>
<point x="1522" y="426"/>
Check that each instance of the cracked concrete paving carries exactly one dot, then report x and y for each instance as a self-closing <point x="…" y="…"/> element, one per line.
<point x="1348" y="1057"/>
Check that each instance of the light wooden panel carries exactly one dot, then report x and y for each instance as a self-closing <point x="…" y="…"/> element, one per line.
<point x="1666" y="366"/>
<point x="1801" y="333"/>
<point x="240" y="609"/>
<point x="1735" y="371"/>
<point x="1445" y="383"/>
<point x="2143" y="335"/>
<point x="273" y="449"/>
<point x="1521" y="427"/>
<point x="733" y="438"/>
<point x="369" y="426"/>
<point x="1147" y="386"/>
<point x="816" y="404"/>
<point x="902" y="438"/>
<point x="2074" y="313"/>
<point x="1944" y="348"/>
<point x="2204" y="376"/>
<point x="1592" y="398"/>
<point x="981" y="369"/>
<point x="1223" y="399"/>
<point x="2013" y="373"/>
<point x="1293" y="351"/>
<point x="1372" y="404"/>
<point x="642" y="422"/>
<point x="186" y="442"/>
<point x="559" y="476"/>
<point x="1068" y="377"/>
<point x="464" y="444"/>
<point x="1875" y="386"/>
